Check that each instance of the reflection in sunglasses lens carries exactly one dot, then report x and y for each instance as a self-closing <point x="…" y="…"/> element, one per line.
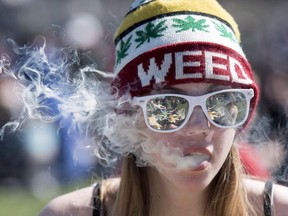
<point x="167" y="112"/>
<point x="228" y="108"/>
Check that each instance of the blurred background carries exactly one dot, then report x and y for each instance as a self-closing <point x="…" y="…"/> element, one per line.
<point x="43" y="162"/>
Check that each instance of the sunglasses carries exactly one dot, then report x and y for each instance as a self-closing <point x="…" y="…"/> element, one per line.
<point x="166" y="113"/>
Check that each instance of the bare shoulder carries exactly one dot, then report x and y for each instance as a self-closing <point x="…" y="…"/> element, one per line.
<point x="255" y="189"/>
<point x="80" y="202"/>
<point x="75" y="203"/>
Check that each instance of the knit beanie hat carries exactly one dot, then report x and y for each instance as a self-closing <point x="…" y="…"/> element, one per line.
<point x="166" y="42"/>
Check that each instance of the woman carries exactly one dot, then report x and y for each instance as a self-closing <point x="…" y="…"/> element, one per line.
<point x="189" y="52"/>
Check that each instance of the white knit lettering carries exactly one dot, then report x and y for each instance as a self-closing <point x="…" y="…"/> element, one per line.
<point x="235" y="78"/>
<point x="210" y="65"/>
<point x="180" y="64"/>
<point x="216" y="66"/>
<point x="154" y="70"/>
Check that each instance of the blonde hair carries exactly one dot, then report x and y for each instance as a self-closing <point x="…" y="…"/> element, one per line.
<point x="133" y="195"/>
<point x="227" y="195"/>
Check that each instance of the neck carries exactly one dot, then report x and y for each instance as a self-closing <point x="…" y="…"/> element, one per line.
<point x="168" y="199"/>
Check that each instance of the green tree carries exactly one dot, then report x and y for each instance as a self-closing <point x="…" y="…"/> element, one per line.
<point x="150" y="31"/>
<point x="190" y="23"/>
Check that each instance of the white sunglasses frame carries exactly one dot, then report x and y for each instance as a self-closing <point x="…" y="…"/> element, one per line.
<point x="192" y="102"/>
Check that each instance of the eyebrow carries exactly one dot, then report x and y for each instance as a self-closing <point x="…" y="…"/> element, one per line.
<point x="180" y="91"/>
<point x="176" y="90"/>
<point x="218" y="87"/>
<point x="172" y="90"/>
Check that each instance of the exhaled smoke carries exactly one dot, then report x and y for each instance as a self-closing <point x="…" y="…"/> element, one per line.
<point x="55" y="86"/>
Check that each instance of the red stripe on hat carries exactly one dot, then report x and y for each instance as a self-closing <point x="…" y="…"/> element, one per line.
<point x="184" y="63"/>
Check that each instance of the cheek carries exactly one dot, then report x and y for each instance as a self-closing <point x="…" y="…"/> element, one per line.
<point x="163" y="139"/>
<point x="140" y="121"/>
<point x="224" y="141"/>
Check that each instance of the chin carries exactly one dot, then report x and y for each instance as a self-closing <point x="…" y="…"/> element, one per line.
<point x="189" y="180"/>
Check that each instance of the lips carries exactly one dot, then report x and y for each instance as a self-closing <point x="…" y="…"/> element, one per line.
<point x="193" y="151"/>
<point x="196" y="159"/>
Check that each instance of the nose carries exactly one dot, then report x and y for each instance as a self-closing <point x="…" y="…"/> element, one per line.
<point x="197" y="123"/>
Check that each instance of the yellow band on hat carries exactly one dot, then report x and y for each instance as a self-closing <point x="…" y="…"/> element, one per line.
<point x="162" y="7"/>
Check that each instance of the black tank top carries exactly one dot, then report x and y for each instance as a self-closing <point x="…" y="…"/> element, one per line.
<point x="97" y="200"/>
<point x="268" y="199"/>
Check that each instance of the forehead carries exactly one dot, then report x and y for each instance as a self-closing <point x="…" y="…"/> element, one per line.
<point x="192" y="88"/>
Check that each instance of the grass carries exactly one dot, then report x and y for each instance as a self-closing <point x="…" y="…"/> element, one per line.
<point x="19" y="202"/>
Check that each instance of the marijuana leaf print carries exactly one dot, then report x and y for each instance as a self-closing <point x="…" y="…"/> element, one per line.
<point x="124" y="47"/>
<point x="150" y="31"/>
<point x="224" y="31"/>
<point x="190" y="23"/>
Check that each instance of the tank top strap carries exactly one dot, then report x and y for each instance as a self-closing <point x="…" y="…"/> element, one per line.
<point x="268" y="198"/>
<point x="97" y="199"/>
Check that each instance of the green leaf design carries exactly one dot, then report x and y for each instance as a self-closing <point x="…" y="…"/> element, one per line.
<point x="224" y="31"/>
<point x="150" y="31"/>
<point x="124" y="47"/>
<point x="190" y="23"/>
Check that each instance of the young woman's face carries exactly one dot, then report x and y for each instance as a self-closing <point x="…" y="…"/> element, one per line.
<point x="192" y="156"/>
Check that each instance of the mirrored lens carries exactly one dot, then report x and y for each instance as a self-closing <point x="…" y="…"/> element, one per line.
<point x="227" y="108"/>
<point x="167" y="112"/>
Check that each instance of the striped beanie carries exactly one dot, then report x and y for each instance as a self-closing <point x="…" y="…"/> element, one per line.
<point x="166" y="42"/>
